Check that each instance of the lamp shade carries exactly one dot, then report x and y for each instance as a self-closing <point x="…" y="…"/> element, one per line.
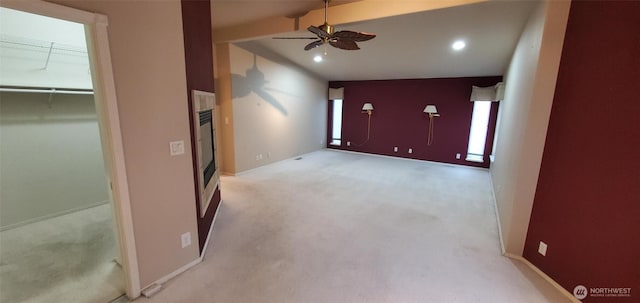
<point x="430" y="109"/>
<point x="367" y="107"/>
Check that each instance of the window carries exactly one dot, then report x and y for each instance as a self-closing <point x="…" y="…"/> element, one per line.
<point x="478" y="133"/>
<point x="336" y="122"/>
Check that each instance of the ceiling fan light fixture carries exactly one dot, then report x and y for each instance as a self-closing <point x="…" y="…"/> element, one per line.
<point x="326" y="34"/>
<point x="317" y="58"/>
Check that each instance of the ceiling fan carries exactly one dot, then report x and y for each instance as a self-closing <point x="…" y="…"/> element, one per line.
<point x="326" y="34"/>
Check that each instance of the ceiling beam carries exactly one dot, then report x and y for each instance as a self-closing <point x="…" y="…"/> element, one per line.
<point x="339" y="14"/>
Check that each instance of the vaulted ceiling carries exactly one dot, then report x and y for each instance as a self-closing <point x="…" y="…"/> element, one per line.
<point x="413" y="41"/>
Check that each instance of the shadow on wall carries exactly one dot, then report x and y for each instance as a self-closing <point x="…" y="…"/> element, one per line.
<point x="254" y="81"/>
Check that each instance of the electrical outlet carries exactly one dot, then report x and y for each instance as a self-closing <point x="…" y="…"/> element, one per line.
<point x="395" y="149"/>
<point x="542" y="248"/>
<point x="185" y="239"/>
<point x="260" y="156"/>
<point x="411" y="150"/>
<point x="257" y="158"/>
<point x="458" y="156"/>
<point x="348" y="143"/>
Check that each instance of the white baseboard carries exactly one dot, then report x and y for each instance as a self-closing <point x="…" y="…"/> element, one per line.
<point x="495" y="208"/>
<point x="152" y="290"/>
<point x="523" y="260"/>
<point x="246" y="171"/>
<point x="49" y="216"/>
<point x="175" y="273"/>
<point x="407" y="159"/>
<point x="544" y="276"/>
<point x="191" y="264"/>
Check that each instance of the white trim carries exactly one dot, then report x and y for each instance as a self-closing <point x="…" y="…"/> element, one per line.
<point x="360" y="153"/>
<point x="104" y="86"/>
<point x="474" y="158"/>
<point x="175" y="273"/>
<point x="110" y="133"/>
<point x="240" y="173"/>
<point x="152" y="290"/>
<point x="49" y="216"/>
<point x="206" y="243"/>
<point x="191" y="264"/>
<point x="520" y="258"/>
<point x="495" y="208"/>
<point x="408" y="159"/>
<point x="545" y="277"/>
<point x="51" y="10"/>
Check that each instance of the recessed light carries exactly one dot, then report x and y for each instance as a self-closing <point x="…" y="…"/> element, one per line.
<point x="458" y="45"/>
<point x="317" y="58"/>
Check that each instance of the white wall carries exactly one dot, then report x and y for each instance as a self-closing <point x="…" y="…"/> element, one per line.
<point x="530" y="84"/>
<point x="279" y="109"/>
<point x="24" y="50"/>
<point x="50" y="157"/>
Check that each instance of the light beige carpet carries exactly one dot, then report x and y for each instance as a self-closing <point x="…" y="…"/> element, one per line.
<point x="69" y="258"/>
<point x="341" y="227"/>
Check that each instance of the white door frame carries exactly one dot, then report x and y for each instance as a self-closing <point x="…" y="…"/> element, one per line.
<point x="109" y="122"/>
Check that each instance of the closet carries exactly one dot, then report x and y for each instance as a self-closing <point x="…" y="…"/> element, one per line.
<point x="57" y="240"/>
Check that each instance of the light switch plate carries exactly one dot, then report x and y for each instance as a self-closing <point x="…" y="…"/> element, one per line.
<point x="176" y="148"/>
<point x="186" y="239"/>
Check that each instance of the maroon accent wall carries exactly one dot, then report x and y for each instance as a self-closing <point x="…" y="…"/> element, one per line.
<point x="198" y="51"/>
<point x="587" y="202"/>
<point x="398" y="120"/>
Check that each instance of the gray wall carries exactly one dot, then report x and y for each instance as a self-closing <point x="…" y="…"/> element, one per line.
<point x="279" y="109"/>
<point x="50" y="157"/>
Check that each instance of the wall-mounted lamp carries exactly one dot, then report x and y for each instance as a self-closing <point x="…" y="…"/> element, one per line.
<point x="433" y="112"/>
<point x="368" y="109"/>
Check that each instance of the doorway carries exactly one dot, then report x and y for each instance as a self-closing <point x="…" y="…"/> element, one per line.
<point x="56" y="221"/>
<point x="105" y="114"/>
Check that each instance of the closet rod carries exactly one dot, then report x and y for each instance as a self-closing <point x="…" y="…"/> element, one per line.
<point x="46" y="91"/>
<point x="48" y="46"/>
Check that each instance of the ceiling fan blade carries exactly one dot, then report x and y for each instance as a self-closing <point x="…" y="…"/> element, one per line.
<point x="313" y="45"/>
<point x="291" y="38"/>
<point x="344" y="44"/>
<point x="318" y="31"/>
<point x="326" y="33"/>
<point x="354" y="36"/>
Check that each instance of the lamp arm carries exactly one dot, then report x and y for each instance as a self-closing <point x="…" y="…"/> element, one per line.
<point x="368" y="129"/>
